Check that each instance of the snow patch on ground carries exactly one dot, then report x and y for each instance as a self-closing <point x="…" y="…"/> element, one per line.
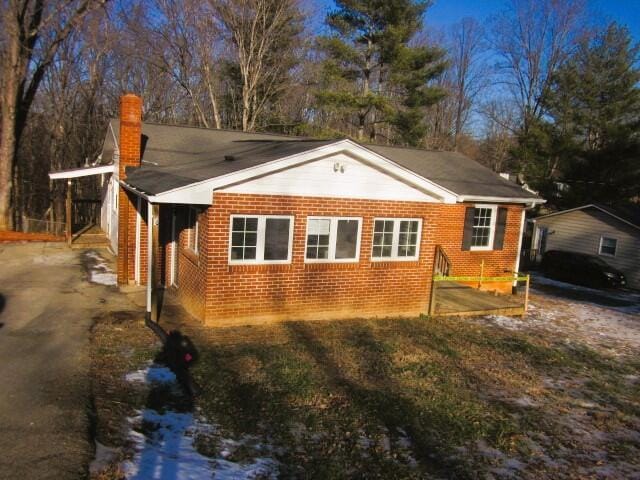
<point x="164" y="449"/>
<point x="104" y="457"/>
<point x="613" y="328"/>
<point x="99" y="271"/>
<point x="151" y="374"/>
<point x="163" y="444"/>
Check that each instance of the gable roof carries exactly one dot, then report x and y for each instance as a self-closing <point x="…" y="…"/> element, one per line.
<point x="629" y="214"/>
<point x="174" y="157"/>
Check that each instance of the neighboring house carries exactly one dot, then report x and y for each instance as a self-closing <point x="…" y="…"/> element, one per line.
<point x="257" y="227"/>
<point x="611" y="233"/>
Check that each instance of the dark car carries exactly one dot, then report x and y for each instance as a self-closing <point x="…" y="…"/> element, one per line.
<point x="581" y="269"/>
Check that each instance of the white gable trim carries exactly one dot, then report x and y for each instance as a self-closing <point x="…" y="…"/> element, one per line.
<point x="481" y="198"/>
<point x="201" y="192"/>
<point x="582" y="208"/>
<point x="81" y="172"/>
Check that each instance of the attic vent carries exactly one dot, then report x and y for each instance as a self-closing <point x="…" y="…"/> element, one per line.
<point x="229" y="158"/>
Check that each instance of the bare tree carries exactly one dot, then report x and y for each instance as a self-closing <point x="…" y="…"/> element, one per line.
<point x="500" y="129"/>
<point x="31" y="33"/>
<point x="532" y="38"/>
<point x="263" y="35"/>
<point x="468" y="72"/>
<point x="178" y="39"/>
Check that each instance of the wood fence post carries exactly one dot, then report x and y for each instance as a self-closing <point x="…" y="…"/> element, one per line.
<point x="68" y="212"/>
<point x="526" y="295"/>
<point x="432" y="303"/>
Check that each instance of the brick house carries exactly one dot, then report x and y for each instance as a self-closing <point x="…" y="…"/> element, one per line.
<point x="253" y="227"/>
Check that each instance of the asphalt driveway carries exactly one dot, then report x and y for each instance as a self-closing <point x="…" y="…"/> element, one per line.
<point x="46" y="310"/>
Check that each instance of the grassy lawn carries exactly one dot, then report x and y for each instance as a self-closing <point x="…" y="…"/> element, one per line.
<point x="401" y="398"/>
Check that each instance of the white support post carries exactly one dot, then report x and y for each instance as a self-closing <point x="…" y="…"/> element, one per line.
<point x="150" y="221"/>
<point x="519" y="254"/>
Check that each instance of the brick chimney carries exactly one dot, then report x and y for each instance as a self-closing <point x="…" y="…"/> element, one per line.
<point x="130" y="132"/>
<point x="130" y="153"/>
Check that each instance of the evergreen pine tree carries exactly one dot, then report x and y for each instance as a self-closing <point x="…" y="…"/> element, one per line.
<point x="594" y="132"/>
<point x="372" y="76"/>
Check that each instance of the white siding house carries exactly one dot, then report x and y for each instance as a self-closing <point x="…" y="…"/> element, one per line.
<point x="594" y="230"/>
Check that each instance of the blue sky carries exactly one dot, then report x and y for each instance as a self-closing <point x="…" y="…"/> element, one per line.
<point x="446" y="12"/>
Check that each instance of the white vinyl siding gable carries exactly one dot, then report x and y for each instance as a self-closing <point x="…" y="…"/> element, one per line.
<point x="582" y="231"/>
<point x="338" y="176"/>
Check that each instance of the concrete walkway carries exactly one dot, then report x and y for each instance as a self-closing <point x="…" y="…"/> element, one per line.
<point x="46" y="310"/>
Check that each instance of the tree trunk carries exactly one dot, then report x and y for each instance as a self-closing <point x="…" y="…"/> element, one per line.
<point x="7" y="154"/>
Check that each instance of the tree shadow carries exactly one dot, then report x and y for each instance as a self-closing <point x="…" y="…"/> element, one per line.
<point x="378" y="397"/>
<point x="167" y="418"/>
<point x="3" y="302"/>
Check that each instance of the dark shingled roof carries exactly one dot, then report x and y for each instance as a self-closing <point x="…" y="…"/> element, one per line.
<point x="175" y="156"/>
<point x="453" y="171"/>
<point x="629" y="212"/>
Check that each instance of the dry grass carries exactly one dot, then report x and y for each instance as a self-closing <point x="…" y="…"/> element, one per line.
<point x="399" y="398"/>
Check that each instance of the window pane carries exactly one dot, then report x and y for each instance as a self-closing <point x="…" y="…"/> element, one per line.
<point x="386" y="251"/>
<point x="481" y="227"/>
<point x="236" y="253"/>
<point x="312" y="240"/>
<point x="609" y="246"/>
<point x="377" y="239"/>
<point x="250" y="239"/>
<point x="238" y="224"/>
<point x="250" y="253"/>
<point x="251" y="224"/>
<point x="323" y="252"/>
<point x="346" y="238"/>
<point x="276" y="239"/>
<point x="377" y="251"/>
<point x="323" y="240"/>
<point x="318" y="226"/>
<point x="378" y="226"/>
<point x="312" y="252"/>
<point x="237" y="239"/>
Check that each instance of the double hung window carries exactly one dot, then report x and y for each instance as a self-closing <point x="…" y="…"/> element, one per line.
<point x="260" y="239"/>
<point x="333" y="239"/>
<point x="396" y="239"/>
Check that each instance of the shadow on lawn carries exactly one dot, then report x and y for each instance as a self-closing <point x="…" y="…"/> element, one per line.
<point x="380" y="399"/>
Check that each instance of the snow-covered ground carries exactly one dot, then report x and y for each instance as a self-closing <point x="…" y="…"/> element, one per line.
<point x="99" y="271"/>
<point x="163" y="443"/>
<point x="608" y="320"/>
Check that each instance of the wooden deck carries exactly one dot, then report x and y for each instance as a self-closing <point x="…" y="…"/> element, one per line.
<point x="455" y="299"/>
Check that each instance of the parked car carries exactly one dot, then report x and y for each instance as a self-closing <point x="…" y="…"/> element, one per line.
<point x="581" y="269"/>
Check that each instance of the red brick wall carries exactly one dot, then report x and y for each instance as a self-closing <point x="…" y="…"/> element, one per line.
<point x="129" y="149"/>
<point x="191" y="265"/>
<point x="243" y="294"/>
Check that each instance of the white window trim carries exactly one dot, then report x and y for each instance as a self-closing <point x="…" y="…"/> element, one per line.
<point x="192" y="231"/>
<point x="262" y="221"/>
<point x="333" y="232"/>
<point x="600" y="252"/>
<point x="396" y="238"/>
<point x="492" y="227"/>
